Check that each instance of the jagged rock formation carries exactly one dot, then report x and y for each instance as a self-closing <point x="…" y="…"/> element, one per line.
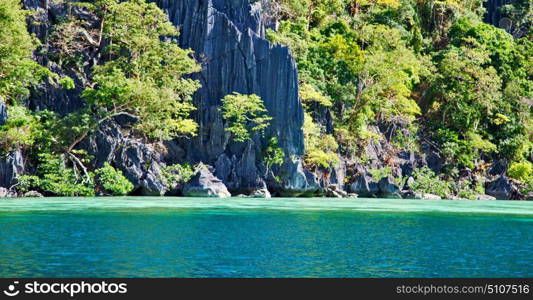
<point x="389" y="189"/>
<point x="228" y="39"/>
<point x="205" y="184"/>
<point x="493" y="14"/>
<point x="3" y="113"/>
<point x="364" y="186"/>
<point x="10" y="167"/>
<point x="140" y="163"/>
<point x="502" y="188"/>
<point x="13" y="163"/>
<point x="49" y="96"/>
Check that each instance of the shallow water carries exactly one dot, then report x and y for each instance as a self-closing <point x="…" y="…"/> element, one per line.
<point x="317" y="237"/>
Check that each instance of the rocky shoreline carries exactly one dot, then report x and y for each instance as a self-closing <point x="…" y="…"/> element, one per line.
<point x="228" y="38"/>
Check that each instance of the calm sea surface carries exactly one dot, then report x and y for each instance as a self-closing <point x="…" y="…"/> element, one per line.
<point x="197" y="237"/>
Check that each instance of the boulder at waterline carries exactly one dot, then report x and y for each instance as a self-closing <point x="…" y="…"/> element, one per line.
<point x="422" y="196"/>
<point x="261" y="193"/>
<point x="205" y="184"/>
<point x="389" y="189"/>
<point x="485" y="197"/>
<point x="364" y="186"/>
<point x="501" y="188"/>
<point x="33" y="194"/>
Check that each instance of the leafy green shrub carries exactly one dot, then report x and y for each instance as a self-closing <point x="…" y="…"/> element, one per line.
<point x="318" y="157"/>
<point x="319" y="148"/>
<point x="26" y="183"/>
<point x="19" y="129"/>
<point x="309" y="94"/>
<point x="174" y="175"/>
<point x="58" y="179"/>
<point x="112" y="181"/>
<point x="245" y="114"/>
<point x="55" y="133"/>
<point x="18" y="71"/>
<point x="377" y="174"/>
<point x="521" y="171"/>
<point x="409" y="141"/>
<point x="426" y="182"/>
<point x="67" y="83"/>
<point x="468" y="190"/>
<point x="273" y="154"/>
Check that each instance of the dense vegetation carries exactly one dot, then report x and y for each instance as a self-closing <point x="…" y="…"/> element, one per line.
<point x="431" y="70"/>
<point x="139" y="74"/>
<point x="431" y="67"/>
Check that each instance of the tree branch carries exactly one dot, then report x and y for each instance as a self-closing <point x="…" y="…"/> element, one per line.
<point x="80" y="164"/>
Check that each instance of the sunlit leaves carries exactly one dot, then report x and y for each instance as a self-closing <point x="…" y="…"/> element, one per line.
<point x="245" y="114"/>
<point x="17" y="69"/>
<point x="146" y="78"/>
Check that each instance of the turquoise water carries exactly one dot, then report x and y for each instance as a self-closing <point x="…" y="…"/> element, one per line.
<point x="184" y="237"/>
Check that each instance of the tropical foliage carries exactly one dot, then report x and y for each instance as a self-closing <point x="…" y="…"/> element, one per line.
<point x="245" y="114"/>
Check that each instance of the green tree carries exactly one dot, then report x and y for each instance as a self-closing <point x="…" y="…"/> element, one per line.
<point x="245" y="114"/>
<point x="112" y="181"/>
<point x="142" y="73"/>
<point x="273" y="154"/>
<point x="467" y="91"/>
<point x="320" y="148"/>
<point x="176" y="174"/>
<point x="18" y="72"/>
<point x="427" y="182"/>
<point x="17" y="69"/>
<point x="56" y="178"/>
<point x="19" y="131"/>
<point x="146" y="75"/>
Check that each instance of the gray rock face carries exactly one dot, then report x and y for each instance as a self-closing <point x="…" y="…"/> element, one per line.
<point x="139" y="162"/>
<point x="499" y="167"/>
<point x="299" y="182"/>
<point x="364" y="186"/>
<point x="50" y="96"/>
<point x="4" y="192"/>
<point x="431" y="197"/>
<point x="331" y="177"/>
<point x="501" y="188"/>
<point x="11" y="166"/>
<point x="389" y="189"/>
<point x="432" y="158"/>
<point x="136" y="160"/>
<point x="3" y="113"/>
<point x="13" y="163"/>
<point x="205" y="184"/>
<point x="262" y="193"/>
<point x="493" y="14"/>
<point x="485" y="197"/>
<point x="334" y="192"/>
<point x="407" y="161"/>
<point x="228" y="39"/>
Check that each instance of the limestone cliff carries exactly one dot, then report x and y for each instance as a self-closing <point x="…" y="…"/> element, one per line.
<point x="228" y="40"/>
